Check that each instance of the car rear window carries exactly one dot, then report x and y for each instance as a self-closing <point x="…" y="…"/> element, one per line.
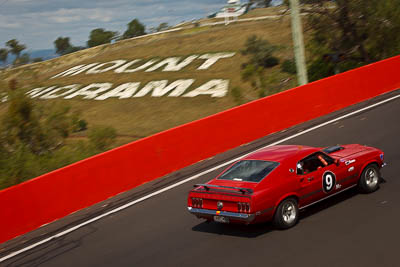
<point x="249" y="170"/>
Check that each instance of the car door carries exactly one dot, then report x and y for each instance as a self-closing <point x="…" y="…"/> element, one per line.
<point x="310" y="180"/>
<point x="318" y="176"/>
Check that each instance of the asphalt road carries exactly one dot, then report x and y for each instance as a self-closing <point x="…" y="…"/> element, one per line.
<point x="349" y="229"/>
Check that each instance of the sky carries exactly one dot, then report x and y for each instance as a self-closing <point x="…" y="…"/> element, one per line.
<point x="37" y="23"/>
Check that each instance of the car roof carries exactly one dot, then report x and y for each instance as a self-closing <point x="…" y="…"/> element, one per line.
<point x="281" y="153"/>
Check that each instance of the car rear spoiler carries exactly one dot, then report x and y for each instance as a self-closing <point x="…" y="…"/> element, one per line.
<point x="240" y="189"/>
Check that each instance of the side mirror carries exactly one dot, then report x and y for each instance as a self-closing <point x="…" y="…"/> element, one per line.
<point x="337" y="162"/>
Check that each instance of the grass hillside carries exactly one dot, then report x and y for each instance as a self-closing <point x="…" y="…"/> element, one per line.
<point x="134" y="118"/>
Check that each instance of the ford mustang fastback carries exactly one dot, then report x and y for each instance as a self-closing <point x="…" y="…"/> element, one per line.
<point x="274" y="183"/>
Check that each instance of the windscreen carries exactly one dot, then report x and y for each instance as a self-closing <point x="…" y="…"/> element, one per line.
<point x="249" y="170"/>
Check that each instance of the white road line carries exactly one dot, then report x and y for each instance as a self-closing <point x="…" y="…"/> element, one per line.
<point x="13" y="254"/>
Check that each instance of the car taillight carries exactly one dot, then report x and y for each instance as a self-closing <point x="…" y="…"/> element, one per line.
<point x="197" y="202"/>
<point x="244" y="207"/>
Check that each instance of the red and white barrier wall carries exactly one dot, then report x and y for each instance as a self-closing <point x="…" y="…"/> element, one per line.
<point x="29" y="205"/>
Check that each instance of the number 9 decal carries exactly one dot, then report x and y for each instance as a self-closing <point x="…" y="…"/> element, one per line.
<point x="328" y="181"/>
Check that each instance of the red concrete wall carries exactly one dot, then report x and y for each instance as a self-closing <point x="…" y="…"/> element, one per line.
<point x="54" y="195"/>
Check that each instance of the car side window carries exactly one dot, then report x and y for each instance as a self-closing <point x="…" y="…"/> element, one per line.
<point x="313" y="163"/>
<point x="328" y="159"/>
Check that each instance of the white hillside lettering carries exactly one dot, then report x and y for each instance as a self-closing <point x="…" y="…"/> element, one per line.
<point x="67" y="90"/>
<point x="125" y="90"/>
<point x="75" y="70"/>
<point x="160" y="88"/>
<point x="125" y="68"/>
<point x="103" y="91"/>
<point x="100" y="68"/>
<point x="172" y="64"/>
<point x="215" y="88"/>
<point x="169" y="64"/>
<point x="142" y="67"/>
<point x="34" y="91"/>
<point x="211" y="59"/>
<point x="88" y="91"/>
<point x="40" y="91"/>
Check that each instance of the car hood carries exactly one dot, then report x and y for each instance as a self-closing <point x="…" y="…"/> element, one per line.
<point x="349" y="150"/>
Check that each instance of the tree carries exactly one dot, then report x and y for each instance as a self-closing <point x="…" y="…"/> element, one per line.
<point x="32" y="138"/>
<point x="100" y="36"/>
<point x="73" y="49"/>
<point x="289" y="66"/>
<point x="15" y="47"/>
<point x="23" y="59"/>
<point x="37" y="59"/>
<point x="38" y="128"/>
<point x="256" y="76"/>
<point x="351" y="33"/>
<point x="260" y="51"/>
<point x="135" y="28"/>
<point x="261" y="57"/>
<point x="3" y="55"/>
<point x="20" y="125"/>
<point x="62" y="45"/>
<point x="162" y="27"/>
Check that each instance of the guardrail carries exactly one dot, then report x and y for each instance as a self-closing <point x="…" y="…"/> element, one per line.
<point x="42" y="200"/>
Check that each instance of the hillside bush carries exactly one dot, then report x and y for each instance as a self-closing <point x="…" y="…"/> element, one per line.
<point x="33" y="138"/>
<point x="102" y="137"/>
<point x="289" y="66"/>
<point x="237" y="94"/>
<point x="261" y="57"/>
<point x="260" y="52"/>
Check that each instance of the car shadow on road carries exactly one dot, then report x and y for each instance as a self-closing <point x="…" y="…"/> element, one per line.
<point x="248" y="231"/>
<point x="330" y="202"/>
<point x="253" y="231"/>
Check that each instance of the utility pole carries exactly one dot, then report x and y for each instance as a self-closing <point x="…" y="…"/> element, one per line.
<point x="298" y="42"/>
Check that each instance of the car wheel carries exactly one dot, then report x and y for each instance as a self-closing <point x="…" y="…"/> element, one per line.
<point x="369" y="179"/>
<point x="287" y="214"/>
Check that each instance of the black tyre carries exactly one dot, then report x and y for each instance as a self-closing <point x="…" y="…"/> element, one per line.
<point x="369" y="179"/>
<point x="287" y="214"/>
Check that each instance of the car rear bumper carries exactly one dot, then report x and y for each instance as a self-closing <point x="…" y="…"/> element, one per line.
<point x="233" y="216"/>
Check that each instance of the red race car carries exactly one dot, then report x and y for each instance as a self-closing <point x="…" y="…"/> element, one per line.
<point x="275" y="182"/>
